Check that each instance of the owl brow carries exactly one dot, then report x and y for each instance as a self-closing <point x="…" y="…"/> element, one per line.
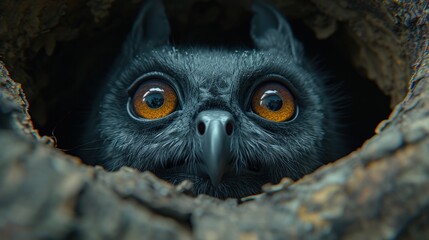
<point x="251" y="74"/>
<point x="158" y="64"/>
<point x="178" y="72"/>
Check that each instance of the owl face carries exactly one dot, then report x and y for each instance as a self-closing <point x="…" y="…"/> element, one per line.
<point x="229" y="121"/>
<point x="157" y="113"/>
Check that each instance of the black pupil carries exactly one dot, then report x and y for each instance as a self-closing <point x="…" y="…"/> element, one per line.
<point x="154" y="100"/>
<point x="272" y="102"/>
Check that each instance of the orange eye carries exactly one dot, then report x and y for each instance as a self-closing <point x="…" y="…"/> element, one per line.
<point x="273" y="101"/>
<point x="154" y="99"/>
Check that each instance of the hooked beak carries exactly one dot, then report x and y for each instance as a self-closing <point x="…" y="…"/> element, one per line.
<point x="215" y="128"/>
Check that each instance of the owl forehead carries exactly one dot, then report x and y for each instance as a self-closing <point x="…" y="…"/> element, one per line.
<point x="206" y="67"/>
<point x="219" y="74"/>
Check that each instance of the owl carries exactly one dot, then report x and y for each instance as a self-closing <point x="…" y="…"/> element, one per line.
<point x="229" y="120"/>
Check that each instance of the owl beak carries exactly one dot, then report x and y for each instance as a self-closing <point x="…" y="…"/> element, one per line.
<point x="215" y="128"/>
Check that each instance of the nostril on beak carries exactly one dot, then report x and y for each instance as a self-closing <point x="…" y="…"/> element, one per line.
<point x="229" y="128"/>
<point x="201" y="127"/>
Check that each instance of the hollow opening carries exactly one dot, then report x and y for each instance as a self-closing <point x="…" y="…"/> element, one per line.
<point x="69" y="79"/>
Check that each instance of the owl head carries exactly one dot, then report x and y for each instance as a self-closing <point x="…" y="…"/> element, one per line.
<point x="229" y="120"/>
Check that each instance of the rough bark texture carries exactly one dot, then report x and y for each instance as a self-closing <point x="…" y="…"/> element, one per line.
<point x="377" y="192"/>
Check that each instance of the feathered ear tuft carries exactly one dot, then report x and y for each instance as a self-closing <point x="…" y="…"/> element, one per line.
<point x="151" y="28"/>
<point x="269" y="29"/>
